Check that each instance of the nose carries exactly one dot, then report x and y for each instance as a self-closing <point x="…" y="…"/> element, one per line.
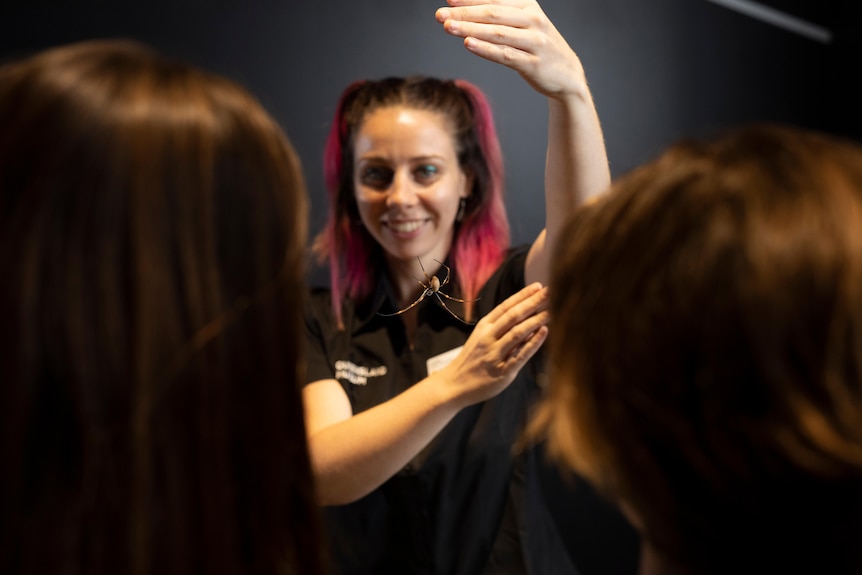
<point x="402" y="191"/>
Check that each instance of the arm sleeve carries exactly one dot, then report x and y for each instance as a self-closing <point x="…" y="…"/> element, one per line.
<point x="508" y="279"/>
<point x="318" y="335"/>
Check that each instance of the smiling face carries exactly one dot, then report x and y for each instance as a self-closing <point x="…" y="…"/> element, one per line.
<point x="408" y="183"/>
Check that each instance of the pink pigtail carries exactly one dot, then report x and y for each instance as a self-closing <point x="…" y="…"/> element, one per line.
<point x="346" y="247"/>
<point x="483" y="237"/>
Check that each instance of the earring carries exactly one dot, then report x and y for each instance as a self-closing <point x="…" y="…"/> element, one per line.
<point x="461" y="207"/>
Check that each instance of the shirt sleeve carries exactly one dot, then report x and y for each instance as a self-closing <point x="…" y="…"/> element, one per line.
<point x="318" y="332"/>
<point x="508" y="279"/>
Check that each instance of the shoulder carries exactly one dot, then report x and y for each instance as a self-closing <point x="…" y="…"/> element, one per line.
<point x="515" y="259"/>
<point x="318" y="299"/>
<point x="506" y="280"/>
<point x="323" y="338"/>
<point x="318" y="309"/>
<point x="510" y="274"/>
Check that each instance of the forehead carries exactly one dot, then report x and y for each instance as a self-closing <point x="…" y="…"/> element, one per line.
<point x="405" y="129"/>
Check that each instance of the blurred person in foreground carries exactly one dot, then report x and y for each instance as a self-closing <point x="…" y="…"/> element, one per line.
<point x="706" y="353"/>
<point x="152" y="230"/>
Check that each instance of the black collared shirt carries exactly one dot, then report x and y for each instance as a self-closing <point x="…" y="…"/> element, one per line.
<point x="464" y="505"/>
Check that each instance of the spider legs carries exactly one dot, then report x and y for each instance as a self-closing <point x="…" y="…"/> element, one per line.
<point x="432" y="286"/>
<point x="425" y="292"/>
<point x="452" y="313"/>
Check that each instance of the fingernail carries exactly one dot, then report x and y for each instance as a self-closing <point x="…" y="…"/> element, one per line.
<point x="443" y="14"/>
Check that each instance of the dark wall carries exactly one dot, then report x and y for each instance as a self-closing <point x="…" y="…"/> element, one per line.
<point x="659" y="70"/>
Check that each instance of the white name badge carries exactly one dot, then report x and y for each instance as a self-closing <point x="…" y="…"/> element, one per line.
<point x="438" y="362"/>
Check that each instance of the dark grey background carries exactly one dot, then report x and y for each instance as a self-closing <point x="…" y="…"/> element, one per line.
<point x="659" y="70"/>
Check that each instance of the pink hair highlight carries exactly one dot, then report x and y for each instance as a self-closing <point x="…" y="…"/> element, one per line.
<point x="342" y="239"/>
<point x="483" y="237"/>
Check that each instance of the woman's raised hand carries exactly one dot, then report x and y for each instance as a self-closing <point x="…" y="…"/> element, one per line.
<point x="517" y="34"/>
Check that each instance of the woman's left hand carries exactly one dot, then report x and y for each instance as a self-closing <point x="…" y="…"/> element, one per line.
<point x="517" y="34"/>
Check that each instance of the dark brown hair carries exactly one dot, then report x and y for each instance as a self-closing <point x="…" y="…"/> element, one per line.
<point x="152" y="230"/>
<point x="706" y="351"/>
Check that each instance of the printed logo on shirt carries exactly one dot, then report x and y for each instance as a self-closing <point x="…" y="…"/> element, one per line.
<point x="357" y="374"/>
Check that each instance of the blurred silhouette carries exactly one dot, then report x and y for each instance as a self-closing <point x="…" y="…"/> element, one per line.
<point x="706" y="352"/>
<point x="152" y="229"/>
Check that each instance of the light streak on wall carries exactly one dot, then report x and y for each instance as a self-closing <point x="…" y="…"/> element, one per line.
<point x="778" y="18"/>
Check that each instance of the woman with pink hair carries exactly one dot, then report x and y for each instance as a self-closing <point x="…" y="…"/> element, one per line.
<point x="416" y="392"/>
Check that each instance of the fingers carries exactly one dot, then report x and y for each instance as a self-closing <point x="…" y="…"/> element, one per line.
<point x="500" y="44"/>
<point x="513" y="325"/>
<point x="479" y="14"/>
<point x="494" y="31"/>
<point x="522" y="319"/>
<point x="519" y="35"/>
<point x="500" y="345"/>
<point x="521" y="337"/>
<point x="521" y="354"/>
<point x="516" y="34"/>
<point x="517" y="3"/>
<point x="519" y="303"/>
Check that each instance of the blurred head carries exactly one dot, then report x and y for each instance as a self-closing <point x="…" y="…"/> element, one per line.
<point x="152" y="227"/>
<point x="445" y="140"/>
<point x="706" y="351"/>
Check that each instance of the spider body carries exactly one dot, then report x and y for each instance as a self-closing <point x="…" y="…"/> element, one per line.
<point x="431" y="286"/>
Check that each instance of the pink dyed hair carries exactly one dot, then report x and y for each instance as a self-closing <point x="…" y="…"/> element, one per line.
<point x="481" y="237"/>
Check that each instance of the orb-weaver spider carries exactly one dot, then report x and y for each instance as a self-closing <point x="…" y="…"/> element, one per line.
<point x="432" y="286"/>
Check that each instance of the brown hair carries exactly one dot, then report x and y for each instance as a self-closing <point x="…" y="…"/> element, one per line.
<point x="706" y="351"/>
<point x="152" y="230"/>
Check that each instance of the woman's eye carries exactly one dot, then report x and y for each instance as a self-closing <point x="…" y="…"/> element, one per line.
<point x="427" y="172"/>
<point x="376" y="177"/>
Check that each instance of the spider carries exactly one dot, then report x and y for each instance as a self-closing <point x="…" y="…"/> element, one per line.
<point x="432" y="286"/>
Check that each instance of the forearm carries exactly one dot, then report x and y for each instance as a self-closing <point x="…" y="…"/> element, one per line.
<point x="576" y="169"/>
<point x="353" y="454"/>
<point x="353" y="457"/>
<point x="576" y="165"/>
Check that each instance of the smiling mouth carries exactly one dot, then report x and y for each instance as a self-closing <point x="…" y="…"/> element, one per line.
<point x="405" y="227"/>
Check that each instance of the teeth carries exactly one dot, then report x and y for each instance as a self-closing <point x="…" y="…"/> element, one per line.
<point x="404" y="227"/>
